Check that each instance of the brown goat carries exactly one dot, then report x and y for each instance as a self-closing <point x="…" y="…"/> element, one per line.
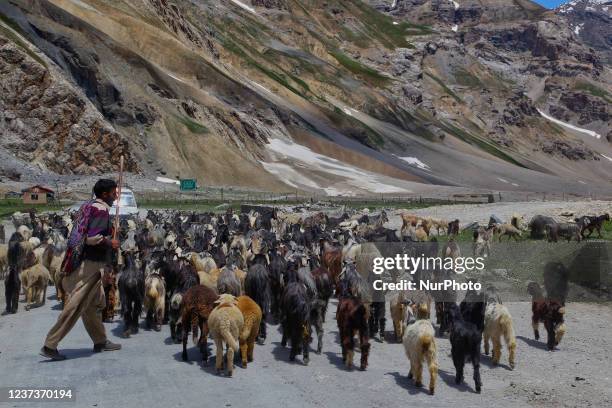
<point x="551" y="312"/>
<point x="251" y="312"/>
<point x="198" y="302"/>
<point x="352" y="317"/>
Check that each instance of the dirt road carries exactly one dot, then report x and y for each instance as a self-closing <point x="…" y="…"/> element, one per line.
<point x="467" y="213"/>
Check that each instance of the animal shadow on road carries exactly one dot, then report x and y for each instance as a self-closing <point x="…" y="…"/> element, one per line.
<point x="404" y="382"/>
<point x="195" y="357"/>
<point x="533" y="342"/>
<point x="449" y="379"/>
<point x="488" y="362"/>
<point x="336" y="359"/>
<point x="57" y="306"/>
<point x="118" y="329"/>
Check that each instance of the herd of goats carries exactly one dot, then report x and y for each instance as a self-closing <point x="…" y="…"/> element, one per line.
<point x="225" y="276"/>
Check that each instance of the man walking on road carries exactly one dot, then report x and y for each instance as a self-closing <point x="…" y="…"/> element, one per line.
<point x="89" y="250"/>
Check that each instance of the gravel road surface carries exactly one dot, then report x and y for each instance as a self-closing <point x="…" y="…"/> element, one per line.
<point x="148" y="371"/>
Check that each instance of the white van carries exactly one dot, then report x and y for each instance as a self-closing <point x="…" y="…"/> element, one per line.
<point x="127" y="203"/>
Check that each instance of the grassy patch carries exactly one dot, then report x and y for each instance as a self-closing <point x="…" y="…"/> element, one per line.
<point x="193" y="126"/>
<point x="9" y="206"/>
<point x="212" y="204"/>
<point x="381" y="27"/>
<point x="594" y="90"/>
<point x="281" y="78"/>
<point x="359" y="39"/>
<point x="475" y="140"/>
<point x="444" y="87"/>
<point x="364" y="72"/>
<point x="355" y="129"/>
<point x="466" y="78"/>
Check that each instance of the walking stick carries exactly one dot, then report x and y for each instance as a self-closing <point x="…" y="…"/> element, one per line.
<point x="119" y="184"/>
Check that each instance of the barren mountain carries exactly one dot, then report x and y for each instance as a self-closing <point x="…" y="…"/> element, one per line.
<point x="591" y="21"/>
<point x="346" y="97"/>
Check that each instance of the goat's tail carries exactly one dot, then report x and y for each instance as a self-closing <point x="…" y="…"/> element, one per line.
<point x="229" y="339"/>
<point x="429" y="347"/>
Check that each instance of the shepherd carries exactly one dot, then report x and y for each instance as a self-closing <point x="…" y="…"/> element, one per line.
<point x="89" y="251"/>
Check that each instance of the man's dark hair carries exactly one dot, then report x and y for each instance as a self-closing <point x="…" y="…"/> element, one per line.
<point x="104" y="185"/>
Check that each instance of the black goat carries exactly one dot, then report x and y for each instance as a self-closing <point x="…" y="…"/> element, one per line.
<point x="257" y="287"/>
<point x="12" y="283"/>
<point x="278" y="265"/>
<point x="325" y="288"/>
<point x="591" y="223"/>
<point x="466" y="340"/>
<point x="295" y="319"/>
<point x="131" y="293"/>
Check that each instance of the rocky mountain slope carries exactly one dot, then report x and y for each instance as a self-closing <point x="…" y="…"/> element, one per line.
<point x="591" y="21"/>
<point x="345" y="97"/>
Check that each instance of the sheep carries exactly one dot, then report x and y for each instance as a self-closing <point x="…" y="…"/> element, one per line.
<point x="228" y="282"/>
<point x="34" y="281"/>
<point x="465" y="338"/>
<point x="567" y="230"/>
<point x="25" y="232"/>
<point x="226" y="323"/>
<point x="419" y="345"/>
<point x="409" y="219"/>
<point x="52" y="258"/>
<point x="198" y="303"/>
<point x="253" y="317"/>
<point x="154" y="301"/>
<point x="517" y="221"/>
<point x="352" y="318"/>
<point x="538" y="225"/>
<point x="257" y="287"/>
<point x="508" y="230"/>
<point x="421" y="234"/>
<point x="398" y="306"/>
<point x="439" y="225"/>
<point x="498" y="323"/>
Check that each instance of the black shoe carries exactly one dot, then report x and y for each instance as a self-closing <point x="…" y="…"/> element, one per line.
<point x="52" y="354"/>
<point x="108" y="346"/>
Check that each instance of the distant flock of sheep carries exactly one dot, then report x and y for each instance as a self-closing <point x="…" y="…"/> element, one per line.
<point x="227" y="276"/>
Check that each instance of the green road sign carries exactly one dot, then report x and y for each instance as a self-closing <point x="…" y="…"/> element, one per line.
<point x="188" y="184"/>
